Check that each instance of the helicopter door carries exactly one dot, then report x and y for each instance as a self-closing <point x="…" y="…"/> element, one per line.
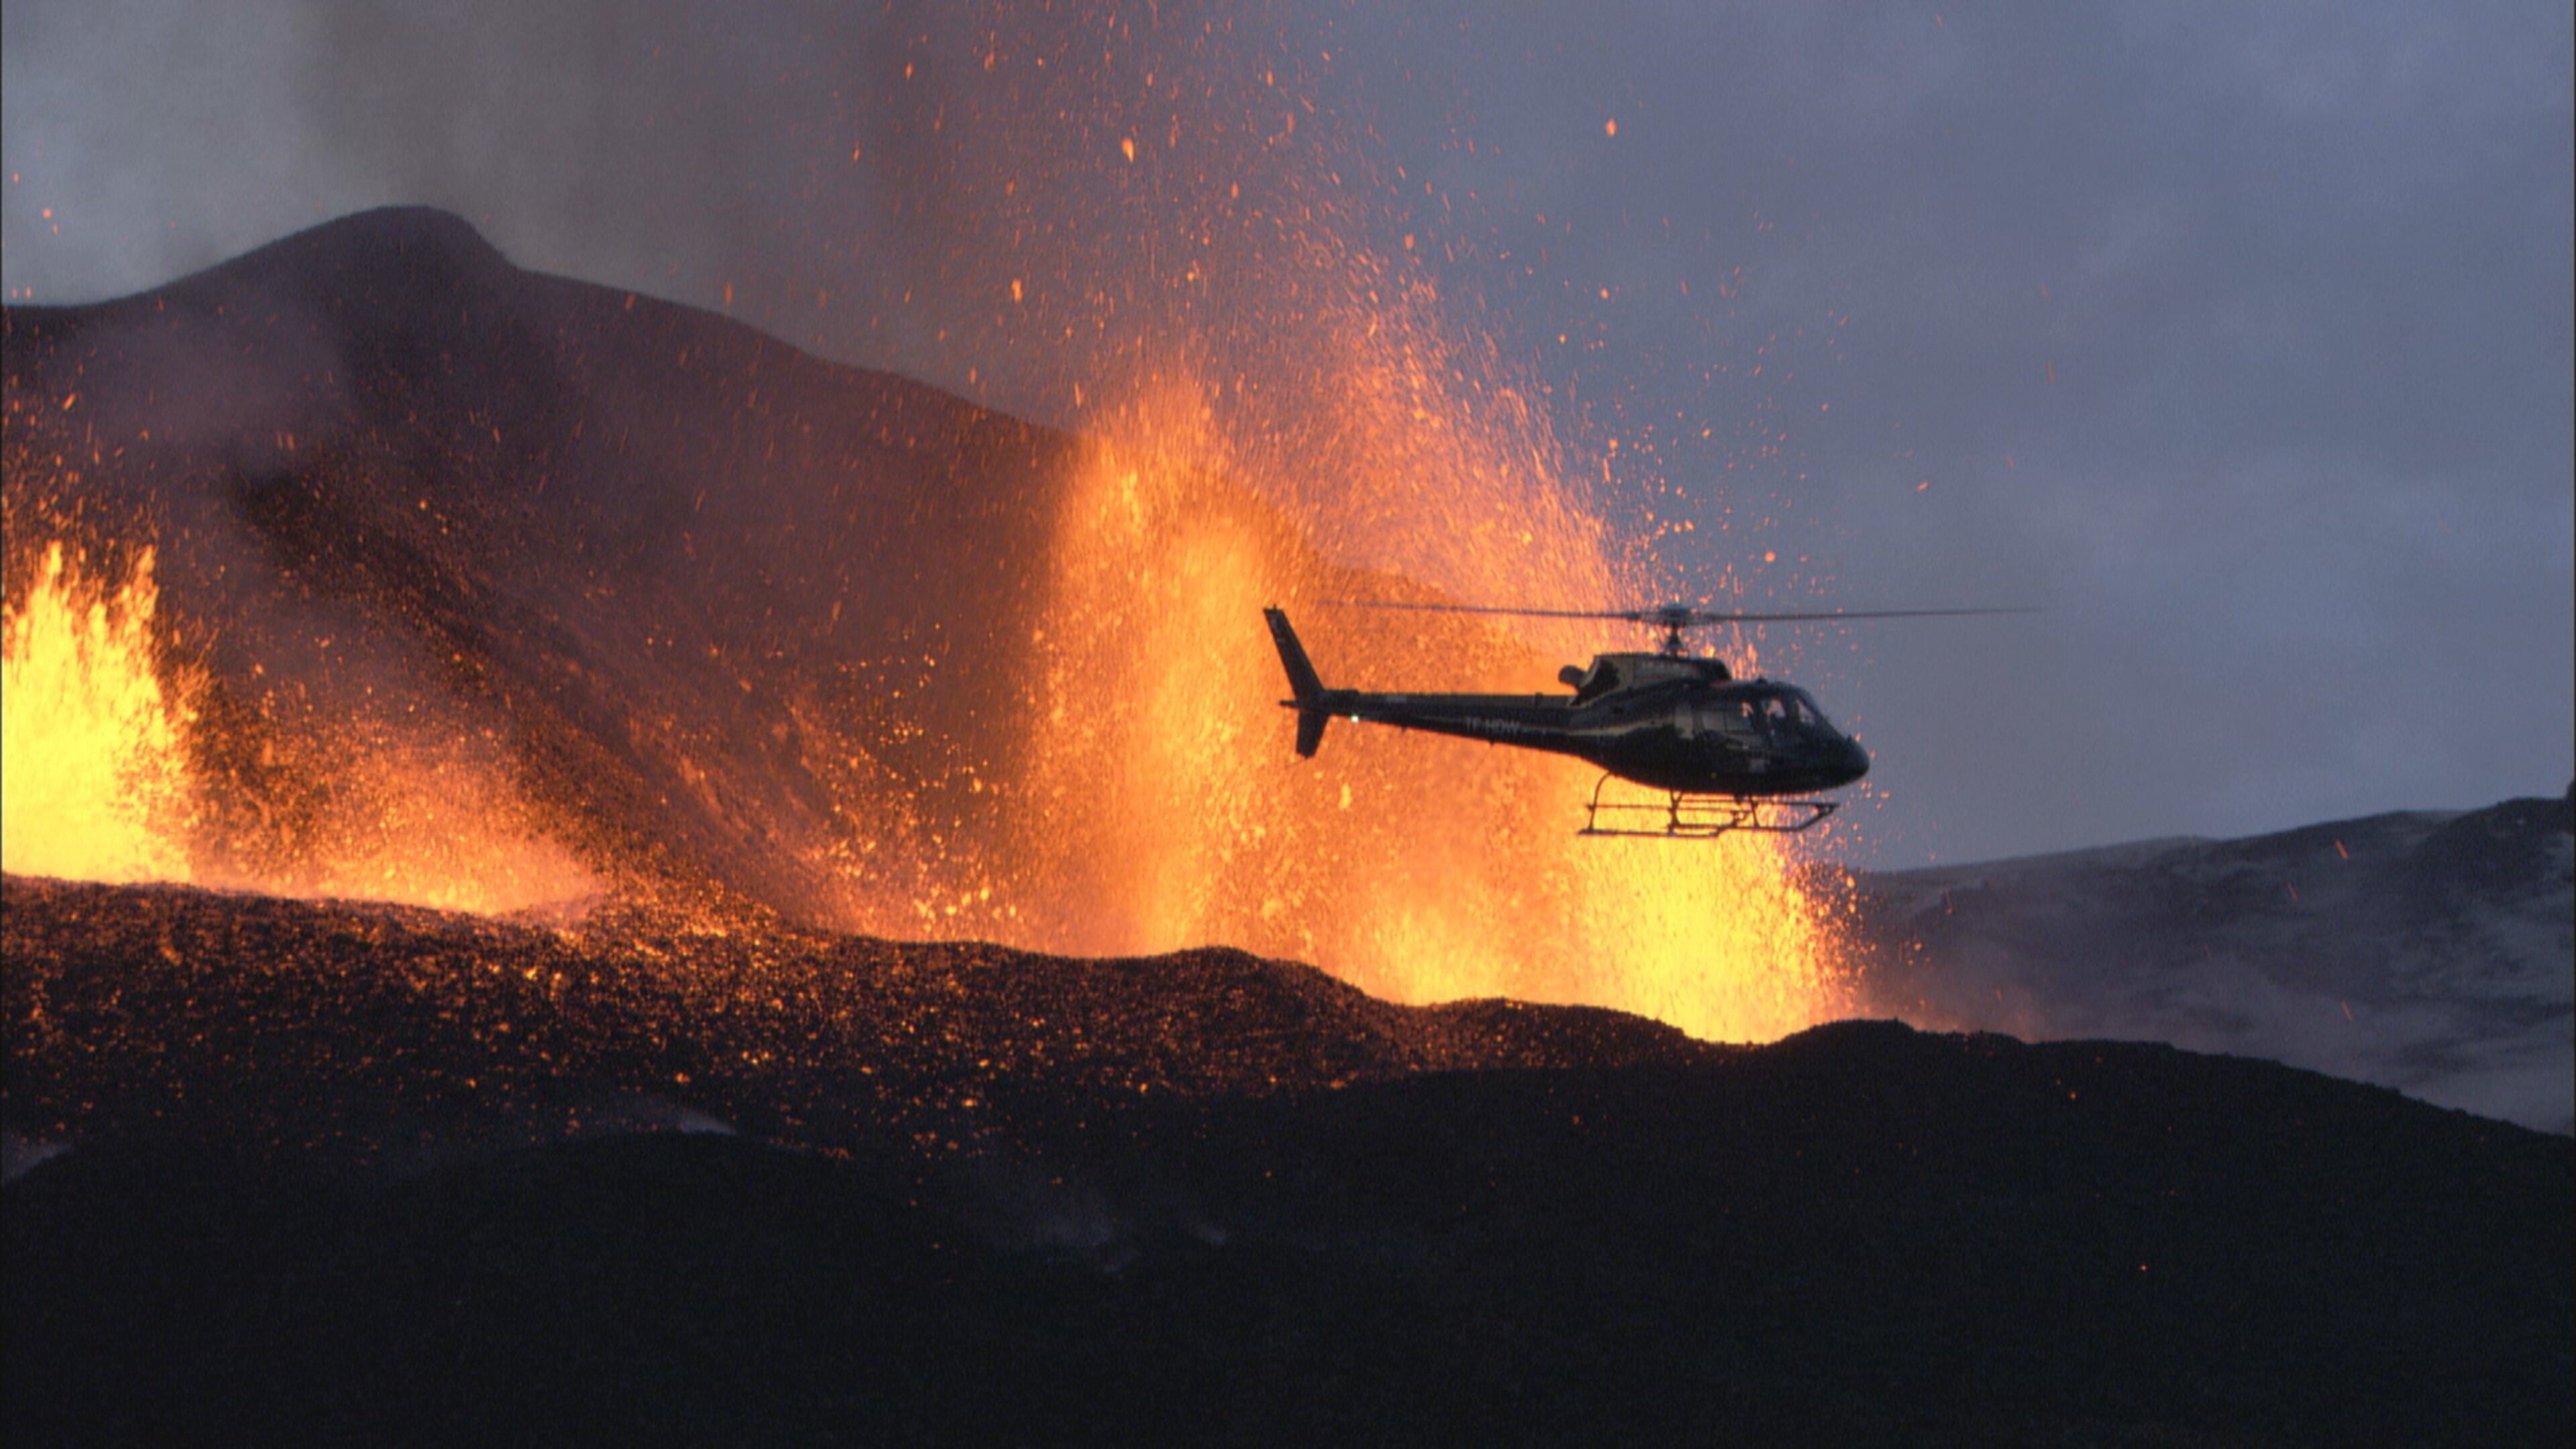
<point x="1730" y="720"/>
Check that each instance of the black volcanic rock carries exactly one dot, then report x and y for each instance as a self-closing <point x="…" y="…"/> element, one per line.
<point x="363" y="1029"/>
<point x="365" y="1175"/>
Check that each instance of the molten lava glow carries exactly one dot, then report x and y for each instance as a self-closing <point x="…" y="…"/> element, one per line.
<point x="1208" y="256"/>
<point x="100" y="783"/>
<point x="425" y="821"/>
<point x="1165" y="808"/>
<point x="96" y="786"/>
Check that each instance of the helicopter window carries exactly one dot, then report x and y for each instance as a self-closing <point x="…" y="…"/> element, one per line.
<point x="1808" y="716"/>
<point x="1787" y="715"/>
<point x="1600" y="679"/>
<point x="1731" y="717"/>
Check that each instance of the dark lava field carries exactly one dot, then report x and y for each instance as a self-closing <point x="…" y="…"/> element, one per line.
<point x="342" y="1174"/>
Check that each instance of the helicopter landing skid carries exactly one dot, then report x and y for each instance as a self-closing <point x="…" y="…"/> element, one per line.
<point x="1683" y="815"/>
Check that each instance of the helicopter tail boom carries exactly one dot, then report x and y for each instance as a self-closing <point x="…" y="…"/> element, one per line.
<point x="1303" y="682"/>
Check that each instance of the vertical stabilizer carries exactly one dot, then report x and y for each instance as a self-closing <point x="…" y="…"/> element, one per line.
<point x="1310" y="731"/>
<point x="1303" y="682"/>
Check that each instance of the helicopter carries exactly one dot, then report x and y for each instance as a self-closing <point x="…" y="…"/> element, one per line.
<point x="1719" y="753"/>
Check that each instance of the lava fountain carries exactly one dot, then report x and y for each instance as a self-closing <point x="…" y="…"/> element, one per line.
<point x="1160" y="806"/>
<point x="104" y="780"/>
<point x="97" y="784"/>
<point x="497" y="589"/>
<point x="1204" y="255"/>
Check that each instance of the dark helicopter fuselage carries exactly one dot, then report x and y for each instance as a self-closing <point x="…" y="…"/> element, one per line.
<point x="1669" y="722"/>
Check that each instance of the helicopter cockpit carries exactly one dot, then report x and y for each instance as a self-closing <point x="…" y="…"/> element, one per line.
<point x="1776" y="714"/>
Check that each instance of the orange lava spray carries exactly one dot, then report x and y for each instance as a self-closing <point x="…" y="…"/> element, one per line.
<point x="1161" y="806"/>
<point x="95" y="784"/>
<point x="100" y="782"/>
<point x="1284" y="411"/>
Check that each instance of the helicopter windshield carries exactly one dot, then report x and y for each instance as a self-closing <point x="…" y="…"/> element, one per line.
<point x="1770" y="714"/>
<point x="1791" y="713"/>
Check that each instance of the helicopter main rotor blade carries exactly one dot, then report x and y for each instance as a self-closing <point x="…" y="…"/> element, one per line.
<point x="1675" y="616"/>
<point x="1697" y="617"/>
<point x="1484" y="609"/>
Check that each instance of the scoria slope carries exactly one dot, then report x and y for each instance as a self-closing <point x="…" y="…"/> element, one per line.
<point x="339" y="1027"/>
<point x="402" y="490"/>
<point x="367" y="1175"/>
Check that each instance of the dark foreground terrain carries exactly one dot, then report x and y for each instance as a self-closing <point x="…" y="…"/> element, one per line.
<point x="368" y="1175"/>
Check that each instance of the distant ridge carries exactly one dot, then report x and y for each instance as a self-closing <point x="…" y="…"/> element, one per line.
<point x="2431" y="951"/>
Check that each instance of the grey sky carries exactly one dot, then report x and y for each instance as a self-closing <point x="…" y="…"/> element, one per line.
<point x="2237" y="337"/>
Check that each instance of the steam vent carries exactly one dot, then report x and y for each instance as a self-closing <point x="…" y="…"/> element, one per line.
<point x="577" y="875"/>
